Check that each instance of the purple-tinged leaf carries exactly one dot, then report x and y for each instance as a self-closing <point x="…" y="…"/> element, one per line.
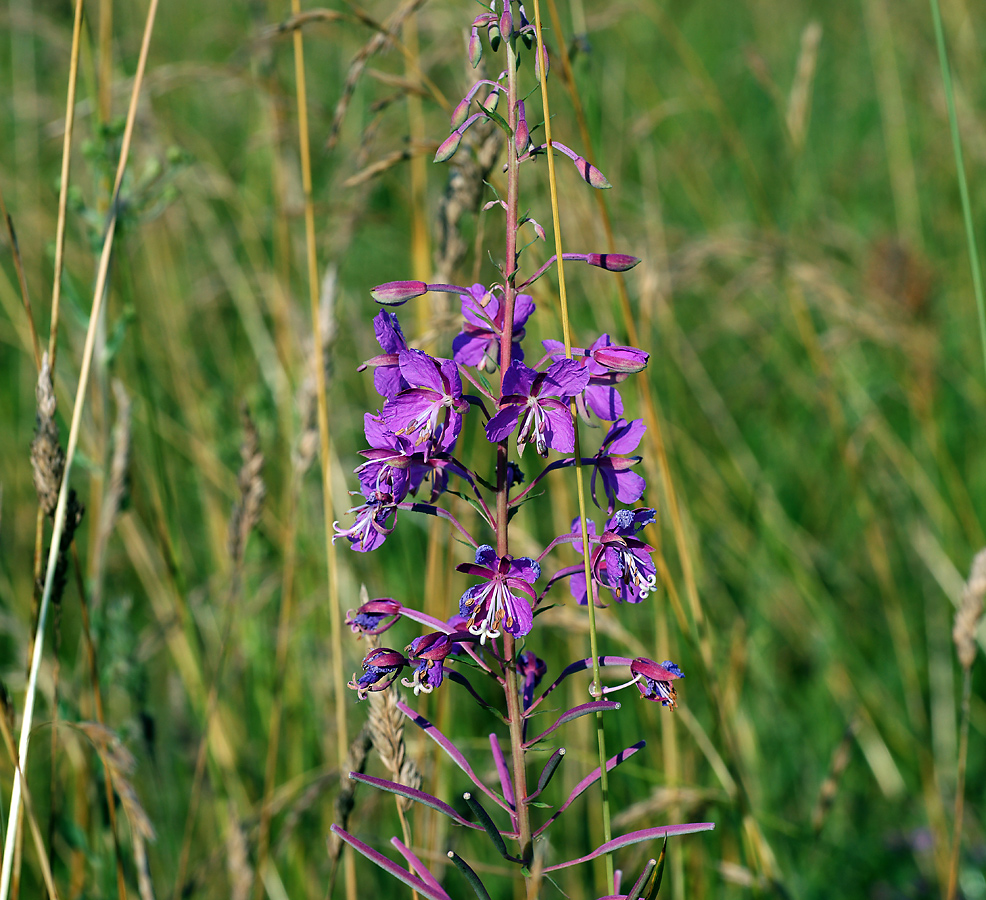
<point x="413" y="794"/>
<point x="475" y="47"/>
<point x="415" y="863"/>
<point x="574" y="713"/>
<point x="591" y="779"/>
<point x="388" y="865"/>
<point x="446" y="150"/>
<point x="506" y="784"/>
<point x="547" y="773"/>
<point x="396" y="293"/>
<point x="469" y="875"/>
<point x="635" y="837"/>
<point x="612" y="262"/>
<point x="489" y="826"/>
<point x="453" y="753"/>
<point x="577" y="666"/>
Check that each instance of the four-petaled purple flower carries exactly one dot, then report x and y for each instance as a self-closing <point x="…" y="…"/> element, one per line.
<point x="372" y="617"/>
<point x="370" y="529"/>
<point x="654" y="681"/>
<point x="380" y="669"/>
<point x="619" y="482"/>
<point x="494" y="605"/>
<point x="388" y="466"/>
<point x="429" y="411"/>
<point x="478" y="344"/>
<point x="387" y="375"/>
<point x="539" y="401"/>
<point x="608" y="365"/>
<point x="619" y="560"/>
<point x="427" y="655"/>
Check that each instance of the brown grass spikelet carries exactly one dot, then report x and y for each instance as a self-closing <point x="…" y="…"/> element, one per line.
<point x="47" y="455"/>
<point x="386" y="725"/>
<point x="970" y="611"/>
<point x="246" y="512"/>
<point x="345" y="803"/>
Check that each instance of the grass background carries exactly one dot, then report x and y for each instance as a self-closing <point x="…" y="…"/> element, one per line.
<point x="786" y="175"/>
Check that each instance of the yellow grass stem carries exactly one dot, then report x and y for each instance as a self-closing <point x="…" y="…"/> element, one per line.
<point x="21" y="280"/>
<point x="56" y="287"/>
<point x="579" y="475"/>
<point x="73" y="440"/>
<point x="335" y="619"/>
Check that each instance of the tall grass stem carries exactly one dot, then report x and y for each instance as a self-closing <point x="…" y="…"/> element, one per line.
<point x="953" y="123"/>
<point x="73" y="439"/>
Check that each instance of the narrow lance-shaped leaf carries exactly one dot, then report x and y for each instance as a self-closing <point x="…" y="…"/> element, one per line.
<point x="656" y="886"/>
<point x="388" y="865"/>
<point x="635" y="837"/>
<point x="574" y="713"/>
<point x="413" y="794"/>
<point x="591" y="779"/>
<point x="452" y="751"/>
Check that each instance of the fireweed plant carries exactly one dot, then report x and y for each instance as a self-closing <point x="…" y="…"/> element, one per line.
<point x="413" y="437"/>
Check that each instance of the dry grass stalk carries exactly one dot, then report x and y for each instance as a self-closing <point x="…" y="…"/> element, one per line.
<point x="238" y="866"/>
<point x="386" y="724"/>
<point x="830" y="786"/>
<point x="246" y="511"/>
<point x="47" y="456"/>
<point x="970" y="611"/>
<point x="799" y="100"/>
<point x="356" y="759"/>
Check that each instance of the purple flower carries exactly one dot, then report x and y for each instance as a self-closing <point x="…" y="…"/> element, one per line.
<point x="478" y="344"/>
<point x="539" y="401"/>
<point x="495" y="605"/>
<point x="429" y="411"/>
<point x="608" y="365"/>
<point x="654" y="681"/>
<point x="531" y="670"/>
<point x="388" y="466"/>
<point x="619" y="560"/>
<point x="619" y="483"/>
<point x="370" y="529"/>
<point x="372" y="616"/>
<point x="427" y="654"/>
<point x="380" y="665"/>
<point x="387" y="375"/>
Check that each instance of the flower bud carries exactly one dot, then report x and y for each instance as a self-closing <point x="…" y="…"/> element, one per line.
<point x="448" y="147"/>
<point x="612" y="262"/>
<point x="626" y="360"/>
<point x="537" y="63"/>
<point x="460" y="112"/>
<point x="475" y="47"/>
<point x="591" y="174"/>
<point x="396" y="293"/>
<point x="492" y="101"/>
<point x="522" y="135"/>
<point x="493" y="33"/>
<point x="506" y="22"/>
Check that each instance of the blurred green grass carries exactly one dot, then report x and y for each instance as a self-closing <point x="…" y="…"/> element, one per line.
<point x="806" y="300"/>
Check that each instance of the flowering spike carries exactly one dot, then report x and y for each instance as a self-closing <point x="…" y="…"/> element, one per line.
<point x="475" y="47"/>
<point x="447" y="148"/>
<point x="397" y="293"/>
<point x="612" y="262"/>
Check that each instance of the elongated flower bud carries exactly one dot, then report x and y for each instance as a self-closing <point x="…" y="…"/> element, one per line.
<point x="612" y="262"/>
<point x="460" y="112"/>
<point x="506" y="22"/>
<point x="475" y="47"/>
<point x="396" y="293"/>
<point x="447" y="148"/>
<point x="522" y="135"/>
<point x="591" y="174"/>
<point x="626" y="360"/>
<point x="537" y="63"/>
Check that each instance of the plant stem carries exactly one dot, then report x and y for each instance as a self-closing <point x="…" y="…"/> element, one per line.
<point x="511" y="691"/>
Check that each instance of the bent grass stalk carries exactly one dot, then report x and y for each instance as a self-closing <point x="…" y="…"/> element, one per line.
<point x="73" y="440"/>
